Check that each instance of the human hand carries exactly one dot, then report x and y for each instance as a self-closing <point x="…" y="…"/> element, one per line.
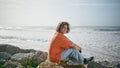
<point x="80" y="51"/>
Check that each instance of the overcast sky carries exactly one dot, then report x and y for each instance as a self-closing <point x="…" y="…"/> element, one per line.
<point x="50" y="12"/>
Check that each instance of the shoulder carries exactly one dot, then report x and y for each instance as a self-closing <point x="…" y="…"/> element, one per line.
<point x="58" y="34"/>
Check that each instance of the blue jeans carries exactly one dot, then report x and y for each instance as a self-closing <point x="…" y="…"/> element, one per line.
<point x="72" y="53"/>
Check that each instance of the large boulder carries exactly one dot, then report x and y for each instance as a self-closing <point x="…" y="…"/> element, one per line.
<point x="11" y="64"/>
<point x="22" y="56"/>
<point x="93" y="64"/>
<point x="5" y="55"/>
<point x="40" y="56"/>
<point x="73" y="65"/>
<point x="37" y="56"/>
<point x="49" y="64"/>
<point x="9" y="49"/>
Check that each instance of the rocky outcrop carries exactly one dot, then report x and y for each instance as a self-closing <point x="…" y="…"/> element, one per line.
<point x="14" y="53"/>
<point x="12" y="56"/>
<point x="9" y="49"/>
<point x="104" y="64"/>
<point x="36" y="56"/>
<point x="11" y="64"/>
<point x="74" y="64"/>
<point x="93" y="64"/>
<point x="22" y="56"/>
<point x="5" y="55"/>
<point x="13" y="49"/>
<point x="49" y="64"/>
<point x="40" y="56"/>
<point x="96" y="65"/>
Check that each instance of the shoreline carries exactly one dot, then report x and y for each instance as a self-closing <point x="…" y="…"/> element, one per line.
<point x="99" y="55"/>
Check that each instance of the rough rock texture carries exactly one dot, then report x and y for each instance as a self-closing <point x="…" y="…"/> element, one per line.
<point x="14" y="53"/>
<point x="5" y="55"/>
<point x="22" y="56"/>
<point x="103" y="64"/>
<point x="48" y="64"/>
<point x="74" y="65"/>
<point x="36" y="56"/>
<point x="27" y="50"/>
<point x="9" y="49"/>
<point x="11" y="64"/>
<point x="13" y="49"/>
<point x="40" y="56"/>
<point x="8" y="53"/>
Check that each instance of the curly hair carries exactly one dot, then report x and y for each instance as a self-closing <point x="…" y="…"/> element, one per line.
<point x="61" y="25"/>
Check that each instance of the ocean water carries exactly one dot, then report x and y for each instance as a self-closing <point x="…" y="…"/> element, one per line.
<point x="101" y="42"/>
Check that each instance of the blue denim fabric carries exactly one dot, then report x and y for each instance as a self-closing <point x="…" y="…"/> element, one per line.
<point x="72" y="53"/>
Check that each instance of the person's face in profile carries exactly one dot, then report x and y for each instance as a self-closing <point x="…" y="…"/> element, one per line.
<point x="64" y="29"/>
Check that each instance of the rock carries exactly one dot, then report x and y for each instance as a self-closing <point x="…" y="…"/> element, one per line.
<point x="22" y="56"/>
<point x="103" y="64"/>
<point x="37" y="56"/>
<point x="6" y="50"/>
<point x="5" y="55"/>
<point x="9" y="52"/>
<point x="74" y="65"/>
<point x="11" y="64"/>
<point x="9" y="49"/>
<point x="118" y="65"/>
<point x="27" y="50"/>
<point x="49" y="64"/>
<point x="2" y="61"/>
<point x="95" y="65"/>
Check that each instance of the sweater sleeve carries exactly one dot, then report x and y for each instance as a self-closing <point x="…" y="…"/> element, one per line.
<point x="65" y="42"/>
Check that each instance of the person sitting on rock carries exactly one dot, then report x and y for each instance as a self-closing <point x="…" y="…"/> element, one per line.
<point x="61" y="47"/>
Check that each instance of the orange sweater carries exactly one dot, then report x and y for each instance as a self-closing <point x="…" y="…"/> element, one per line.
<point x="59" y="42"/>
